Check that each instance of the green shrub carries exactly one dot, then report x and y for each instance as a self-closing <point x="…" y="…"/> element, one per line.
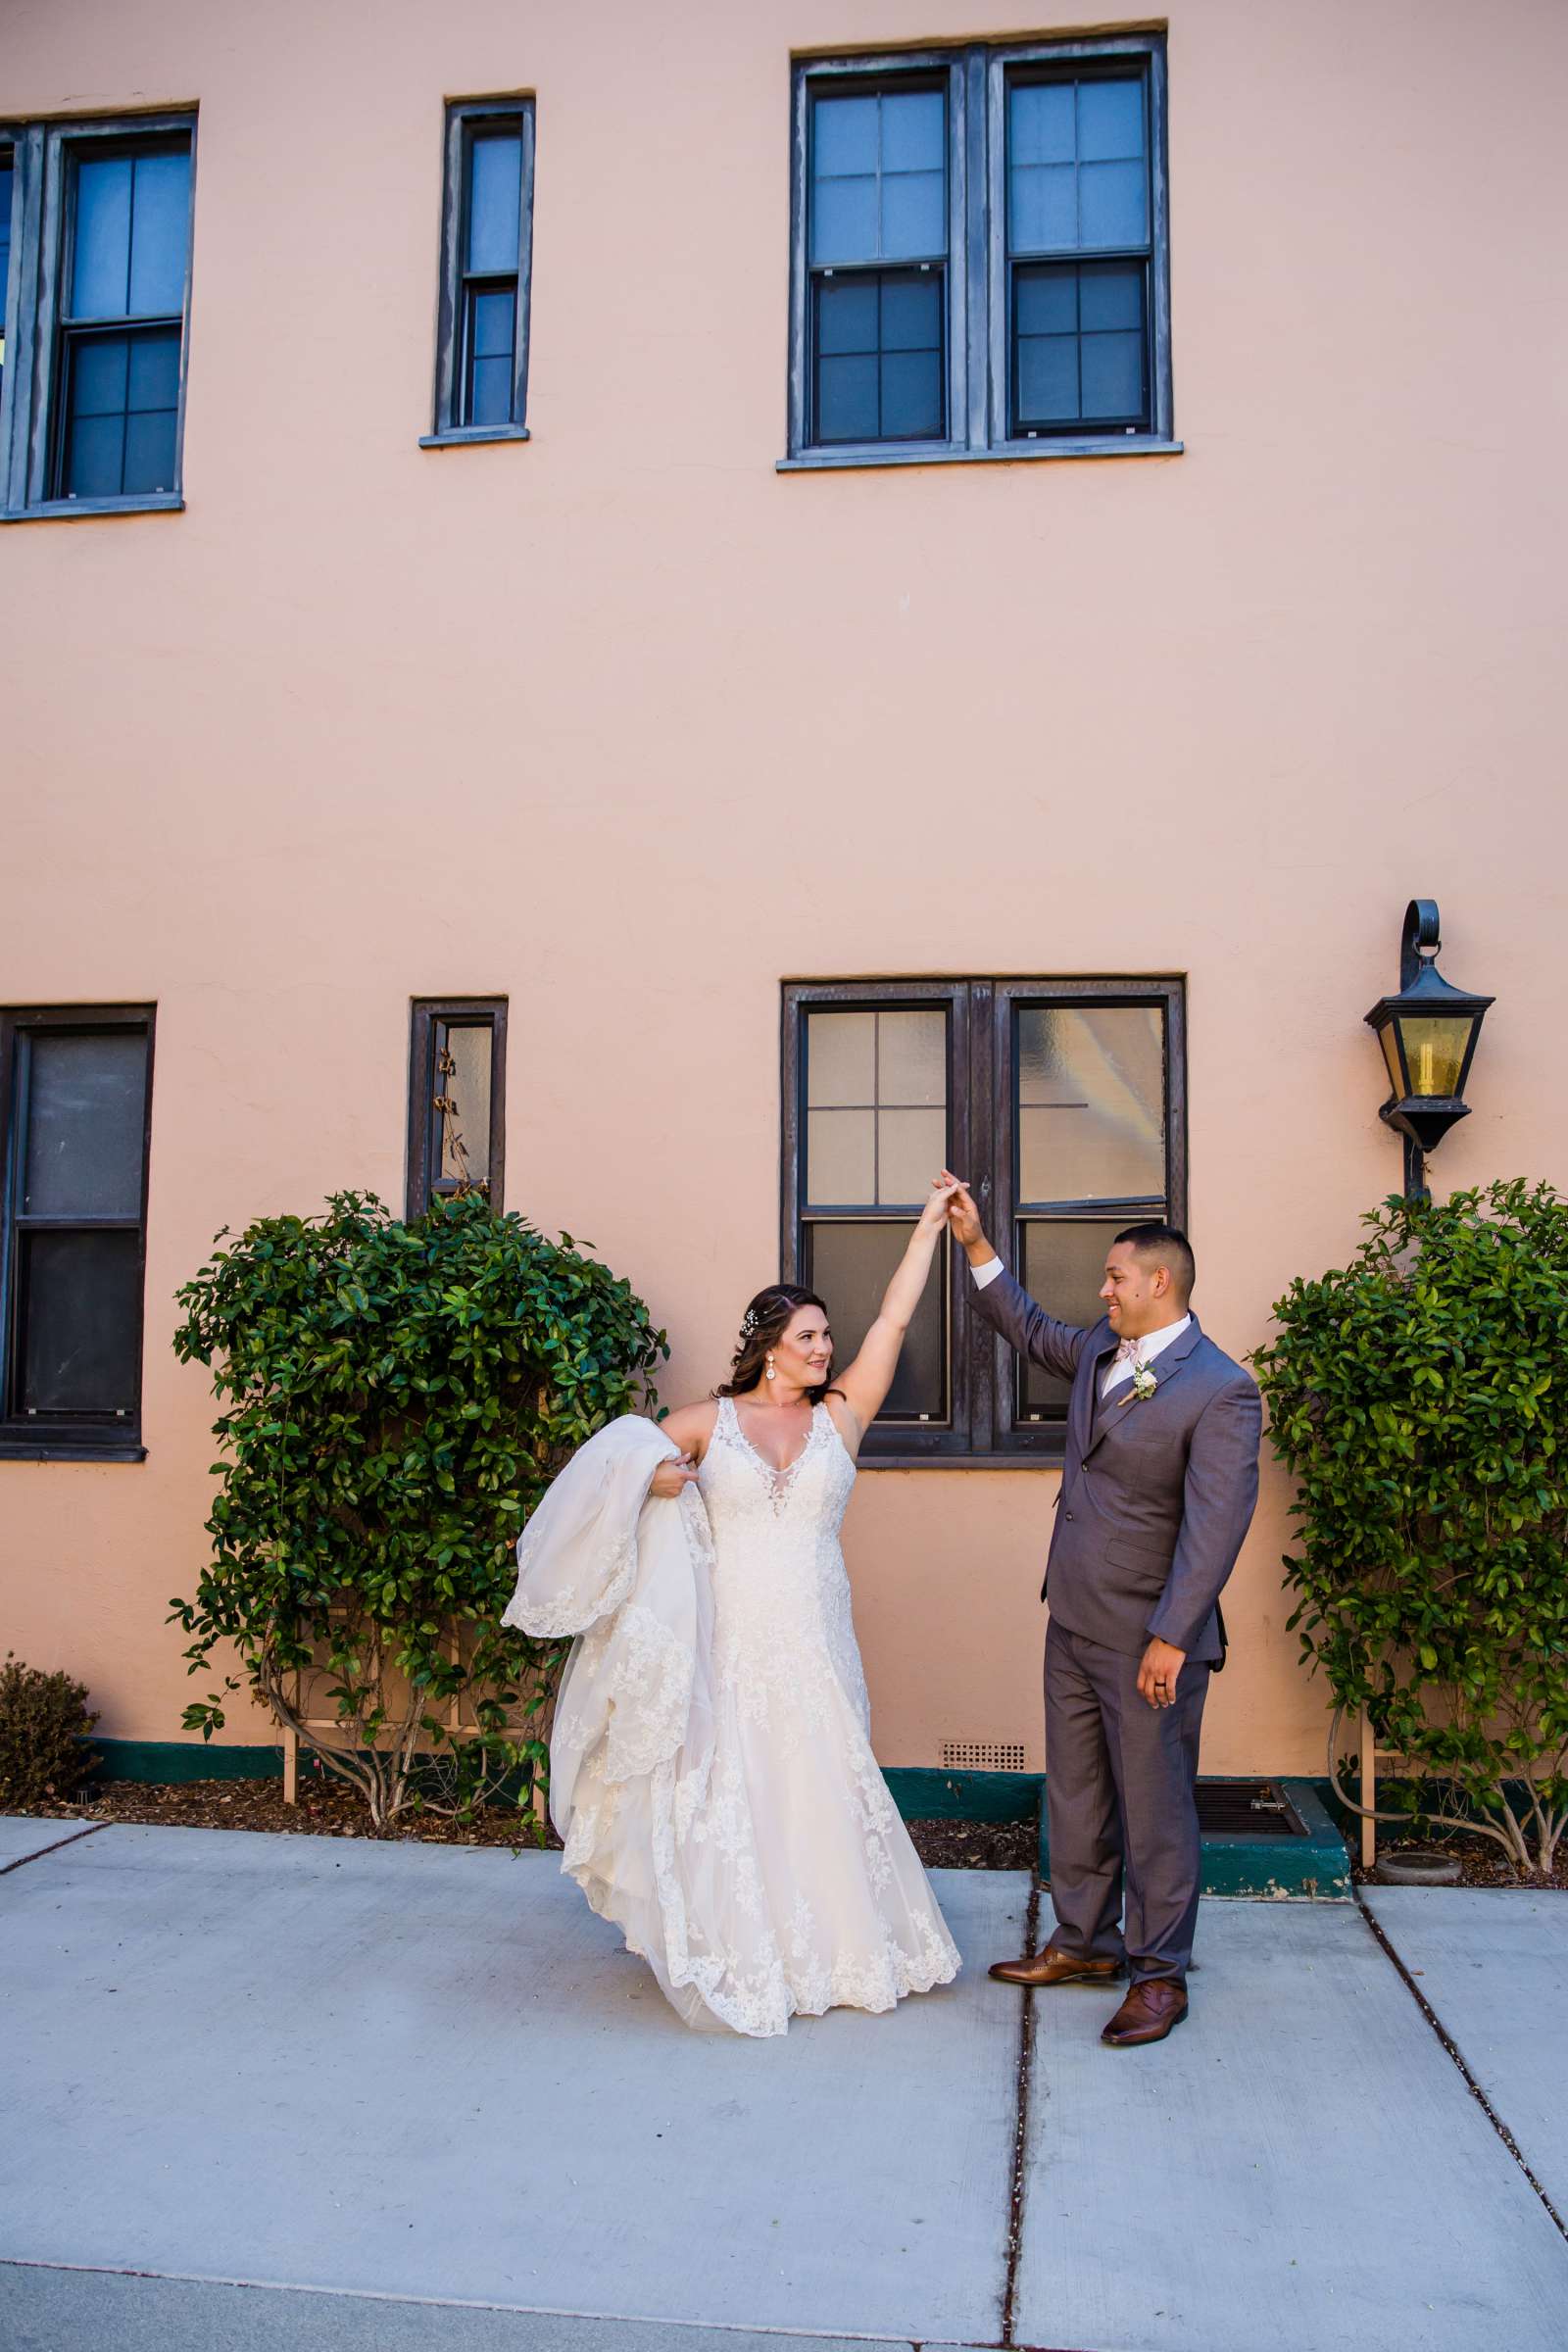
<point x="397" y="1399"/>
<point x="44" y="1730"/>
<point x="1419" y="1396"/>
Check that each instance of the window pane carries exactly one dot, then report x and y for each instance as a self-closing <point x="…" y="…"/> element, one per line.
<point x="841" y="1058"/>
<point x="1112" y="375"/>
<point x="149" y="453"/>
<point x="1113" y="204"/>
<point x="95" y="456"/>
<point x="495" y="201"/>
<point x="99" y="374"/>
<point x="1110" y="120"/>
<point x="911" y="1147"/>
<point x="463" y="1077"/>
<point x="1091" y="1102"/>
<point x="154" y="379"/>
<point x="493" y="315"/>
<point x="79" y="1321"/>
<point x="100" y="277"/>
<point x="490" y="396"/>
<point x="850" y="1266"/>
<point x="915" y="215"/>
<point x="840" y="1158"/>
<point x="912" y="1057"/>
<point x="1046" y="301"/>
<point x="844" y="136"/>
<point x="1048" y="379"/>
<point x="845" y="315"/>
<point x="1111" y="294"/>
<point x="847" y="403"/>
<point x="911" y="396"/>
<point x="844" y="221"/>
<point x="160" y="233"/>
<point x="911" y="312"/>
<point x="7" y="181"/>
<point x="1062" y="1266"/>
<point x="915" y="131"/>
<point x="1043" y="207"/>
<point x="83" y="1115"/>
<point x="1040" y="123"/>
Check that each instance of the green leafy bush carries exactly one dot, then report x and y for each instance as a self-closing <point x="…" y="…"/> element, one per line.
<point x="397" y="1398"/>
<point x="44" y="1730"/>
<point x="1419" y="1396"/>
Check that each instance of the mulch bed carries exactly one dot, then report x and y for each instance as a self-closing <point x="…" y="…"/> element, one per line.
<point x="1481" y="1864"/>
<point x="325" y="1810"/>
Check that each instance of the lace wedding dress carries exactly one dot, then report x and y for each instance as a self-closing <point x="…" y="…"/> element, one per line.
<point x="711" y="1774"/>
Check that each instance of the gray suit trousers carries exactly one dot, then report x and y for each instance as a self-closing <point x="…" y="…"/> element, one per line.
<point x="1121" y="1807"/>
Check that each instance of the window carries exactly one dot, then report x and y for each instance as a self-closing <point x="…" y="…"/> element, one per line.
<point x="75" y="1096"/>
<point x="486" y="239"/>
<point x="95" y="392"/>
<point x="1063" y="1104"/>
<point x="8" y="175"/>
<point x="457" y="1099"/>
<point x="878" y="196"/>
<point x="980" y="261"/>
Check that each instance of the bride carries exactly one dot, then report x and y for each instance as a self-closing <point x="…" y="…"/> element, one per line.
<point x="711" y="1774"/>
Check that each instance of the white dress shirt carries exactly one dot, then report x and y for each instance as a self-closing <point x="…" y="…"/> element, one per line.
<point x="1120" y="1367"/>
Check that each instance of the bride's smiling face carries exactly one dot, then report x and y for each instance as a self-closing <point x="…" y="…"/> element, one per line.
<point x="803" y="1351"/>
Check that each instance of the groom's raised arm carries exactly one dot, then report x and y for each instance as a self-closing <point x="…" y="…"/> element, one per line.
<point x="1005" y="1304"/>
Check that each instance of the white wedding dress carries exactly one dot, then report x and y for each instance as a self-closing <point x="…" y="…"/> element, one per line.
<point x="711" y="1774"/>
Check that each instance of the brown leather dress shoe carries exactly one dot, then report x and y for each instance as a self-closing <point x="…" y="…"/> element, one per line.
<point x="1051" y="1967"/>
<point x="1148" y="2014"/>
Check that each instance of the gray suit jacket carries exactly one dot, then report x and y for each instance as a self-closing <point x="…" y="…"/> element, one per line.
<point x="1156" y="1496"/>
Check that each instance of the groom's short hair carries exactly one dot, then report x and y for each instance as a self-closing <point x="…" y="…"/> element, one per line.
<point x="1157" y="1245"/>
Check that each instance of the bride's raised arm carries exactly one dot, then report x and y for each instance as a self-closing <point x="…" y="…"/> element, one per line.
<point x="864" y="1386"/>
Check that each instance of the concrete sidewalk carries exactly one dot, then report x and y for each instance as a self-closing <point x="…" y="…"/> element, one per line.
<point x="332" y="2093"/>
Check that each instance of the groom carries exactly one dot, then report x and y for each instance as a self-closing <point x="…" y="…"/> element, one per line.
<point x="1158" y="1491"/>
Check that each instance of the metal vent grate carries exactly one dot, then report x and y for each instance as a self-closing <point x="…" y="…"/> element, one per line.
<point x="1245" y="1809"/>
<point x="983" y="1755"/>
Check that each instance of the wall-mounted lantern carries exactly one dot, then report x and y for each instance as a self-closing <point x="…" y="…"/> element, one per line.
<point x="1428" y="1034"/>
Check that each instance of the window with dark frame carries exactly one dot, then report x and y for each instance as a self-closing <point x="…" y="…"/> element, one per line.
<point x="877" y="240"/>
<point x="457" y="1099"/>
<point x="980" y="252"/>
<point x="1061" y="1101"/>
<point x="76" y="1090"/>
<point x="482" y="342"/>
<point x="92" y="403"/>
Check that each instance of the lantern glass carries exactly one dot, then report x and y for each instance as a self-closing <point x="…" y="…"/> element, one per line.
<point x="1390" y="1055"/>
<point x="1434" y="1050"/>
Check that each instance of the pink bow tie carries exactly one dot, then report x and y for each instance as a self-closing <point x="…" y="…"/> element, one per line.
<point x="1127" y="1351"/>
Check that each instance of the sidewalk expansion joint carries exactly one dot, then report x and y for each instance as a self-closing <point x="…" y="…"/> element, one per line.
<point x="1453" y="2048"/>
<point x="75" y="1838"/>
<point x="1021" y="2145"/>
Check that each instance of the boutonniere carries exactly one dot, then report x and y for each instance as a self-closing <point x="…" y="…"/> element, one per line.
<point x="1144" y="1384"/>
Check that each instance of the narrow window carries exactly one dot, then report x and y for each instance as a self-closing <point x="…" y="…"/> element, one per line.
<point x="76" y="1090"/>
<point x="1089" y="1087"/>
<point x="1079" y="252"/>
<point x="6" y="183"/>
<point x="457" y="1099"/>
<point x="122" y="322"/>
<point x="877" y="240"/>
<point x="874" y="1093"/>
<point x="481" y="363"/>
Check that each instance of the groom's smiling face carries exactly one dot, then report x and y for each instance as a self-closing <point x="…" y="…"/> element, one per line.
<point x="1136" y="1297"/>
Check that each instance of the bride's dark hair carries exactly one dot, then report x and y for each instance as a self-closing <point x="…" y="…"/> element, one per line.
<point x="769" y="1315"/>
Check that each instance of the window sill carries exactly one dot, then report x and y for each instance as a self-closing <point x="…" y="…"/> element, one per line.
<point x="1007" y="453"/>
<point x="961" y="1461"/>
<point x="75" y="510"/>
<point x="461" y="436"/>
<point x="36" y="1450"/>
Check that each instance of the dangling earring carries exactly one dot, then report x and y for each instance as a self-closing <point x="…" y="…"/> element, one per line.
<point x="771" y="1374"/>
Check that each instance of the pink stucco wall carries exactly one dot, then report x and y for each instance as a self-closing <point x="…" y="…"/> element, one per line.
<point x="628" y="726"/>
